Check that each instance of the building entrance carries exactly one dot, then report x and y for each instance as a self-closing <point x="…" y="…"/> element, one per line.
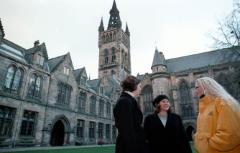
<point x="57" y="134"/>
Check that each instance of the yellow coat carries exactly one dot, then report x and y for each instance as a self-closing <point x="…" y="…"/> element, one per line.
<point x="218" y="127"/>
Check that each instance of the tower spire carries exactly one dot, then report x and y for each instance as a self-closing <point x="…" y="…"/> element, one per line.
<point x="2" y="34"/>
<point x="127" y="31"/>
<point x="114" y="20"/>
<point x="158" y="59"/>
<point x="101" y="27"/>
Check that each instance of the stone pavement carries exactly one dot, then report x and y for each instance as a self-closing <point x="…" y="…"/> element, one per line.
<point x="3" y="150"/>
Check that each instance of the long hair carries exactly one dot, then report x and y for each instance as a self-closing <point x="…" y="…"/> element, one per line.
<point x="215" y="90"/>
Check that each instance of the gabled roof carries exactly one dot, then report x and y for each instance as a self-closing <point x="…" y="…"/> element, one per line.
<point x="54" y="62"/>
<point x="42" y="48"/>
<point x="94" y="84"/>
<point x="78" y="72"/>
<point x="216" y="57"/>
<point x="113" y="85"/>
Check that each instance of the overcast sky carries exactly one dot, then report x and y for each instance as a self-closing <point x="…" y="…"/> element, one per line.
<point x="176" y="27"/>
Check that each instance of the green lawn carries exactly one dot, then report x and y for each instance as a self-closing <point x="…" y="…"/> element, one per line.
<point x="75" y="150"/>
<point x="104" y="149"/>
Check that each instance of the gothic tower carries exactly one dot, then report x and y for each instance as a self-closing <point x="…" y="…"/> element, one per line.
<point x="160" y="76"/>
<point x="114" y="48"/>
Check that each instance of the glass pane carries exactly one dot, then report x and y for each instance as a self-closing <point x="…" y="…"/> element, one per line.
<point x="41" y="60"/>
<point x="9" y="77"/>
<point x="17" y="79"/>
<point x="37" y="87"/>
<point x="32" y="85"/>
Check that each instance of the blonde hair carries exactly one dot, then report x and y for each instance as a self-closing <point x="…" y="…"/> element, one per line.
<point x="215" y="90"/>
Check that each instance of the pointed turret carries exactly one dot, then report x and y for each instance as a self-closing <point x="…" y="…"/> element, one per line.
<point x="2" y="34"/>
<point x="127" y="31"/>
<point x="114" y="20"/>
<point x="101" y="27"/>
<point x="158" y="59"/>
<point x="159" y="62"/>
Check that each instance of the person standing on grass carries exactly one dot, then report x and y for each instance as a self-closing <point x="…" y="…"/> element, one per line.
<point x="128" y="118"/>
<point x="218" y="122"/>
<point x="164" y="130"/>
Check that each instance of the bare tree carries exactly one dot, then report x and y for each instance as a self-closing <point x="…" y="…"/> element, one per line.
<point x="228" y="32"/>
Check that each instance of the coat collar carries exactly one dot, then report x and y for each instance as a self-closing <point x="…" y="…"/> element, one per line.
<point x="204" y="102"/>
<point x="160" y="122"/>
<point x="127" y="95"/>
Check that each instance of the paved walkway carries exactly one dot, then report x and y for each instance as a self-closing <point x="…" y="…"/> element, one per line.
<point x="49" y="148"/>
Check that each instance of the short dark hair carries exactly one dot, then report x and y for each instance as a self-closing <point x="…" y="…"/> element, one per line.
<point x="130" y="83"/>
<point x="157" y="101"/>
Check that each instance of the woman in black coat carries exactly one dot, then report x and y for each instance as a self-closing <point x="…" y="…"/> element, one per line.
<point x="164" y="130"/>
<point x="128" y="118"/>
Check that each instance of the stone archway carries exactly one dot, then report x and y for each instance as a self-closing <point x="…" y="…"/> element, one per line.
<point x="60" y="131"/>
<point x="57" y="134"/>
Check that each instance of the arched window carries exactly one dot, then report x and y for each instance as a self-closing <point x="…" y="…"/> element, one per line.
<point x="185" y="99"/>
<point x="100" y="130"/>
<point x="122" y="59"/>
<point x="184" y="92"/>
<point x="13" y="79"/>
<point x="106" y="60"/>
<point x="108" y="39"/>
<point x="103" y="38"/>
<point x="35" y="86"/>
<point x="64" y="93"/>
<point x="82" y="101"/>
<point x="101" y="107"/>
<point x="106" y="56"/>
<point x="147" y="99"/>
<point x="92" y="127"/>
<point x="93" y="105"/>
<point x="7" y="116"/>
<point x="80" y="128"/>
<point x="108" y="110"/>
<point x="113" y="55"/>
<point x="28" y="125"/>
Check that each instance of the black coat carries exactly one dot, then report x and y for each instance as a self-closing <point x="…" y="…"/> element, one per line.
<point x="128" y="120"/>
<point x="169" y="139"/>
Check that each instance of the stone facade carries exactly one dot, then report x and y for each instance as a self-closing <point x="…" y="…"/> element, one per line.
<point x="47" y="102"/>
<point x="176" y="78"/>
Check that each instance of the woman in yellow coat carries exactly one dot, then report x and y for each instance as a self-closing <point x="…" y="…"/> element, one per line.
<point x="218" y="122"/>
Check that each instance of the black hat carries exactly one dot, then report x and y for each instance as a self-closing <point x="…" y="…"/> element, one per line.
<point x="158" y="99"/>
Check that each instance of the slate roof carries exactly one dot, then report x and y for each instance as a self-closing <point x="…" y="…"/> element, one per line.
<point x="12" y="50"/>
<point x="37" y="48"/>
<point x="78" y="72"/>
<point x="54" y="62"/>
<point x="94" y="84"/>
<point x="216" y="57"/>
